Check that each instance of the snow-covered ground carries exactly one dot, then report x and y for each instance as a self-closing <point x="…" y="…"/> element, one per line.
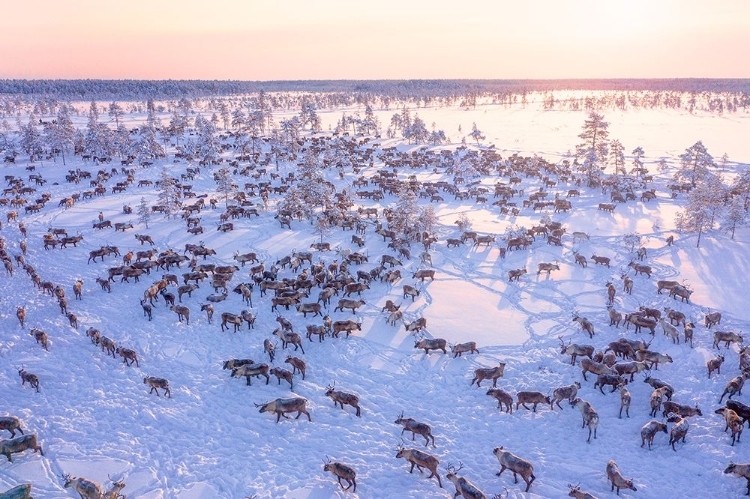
<point x="95" y="417"/>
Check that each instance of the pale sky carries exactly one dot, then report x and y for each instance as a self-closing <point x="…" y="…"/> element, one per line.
<point x="382" y="39"/>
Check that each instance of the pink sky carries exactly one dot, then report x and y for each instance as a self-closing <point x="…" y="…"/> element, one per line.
<point x="389" y="39"/>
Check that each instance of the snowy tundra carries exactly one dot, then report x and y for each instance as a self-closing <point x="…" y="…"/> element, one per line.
<point x="95" y="418"/>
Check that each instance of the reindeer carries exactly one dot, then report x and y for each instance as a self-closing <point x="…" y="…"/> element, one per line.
<point x="675" y="317"/>
<point x="586" y="325"/>
<point x="580" y="259"/>
<point x="670" y="331"/>
<point x="589" y="416"/>
<point x="341" y="398"/>
<point x="653" y="357"/>
<point x="548" y="267"/>
<point x="342" y="471"/>
<point x="461" y="348"/>
<point x="19" y="444"/>
<point x="409" y="291"/>
<point x="21" y="315"/>
<point x="492" y="373"/>
<point x="31" y="378"/>
<point x="678" y="431"/>
<point x="288" y="337"/>
<point x="464" y="488"/>
<point x="680" y="409"/>
<point x="597" y="368"/>
<point x="631" y="368"/>
<point x="568" y="392"/>
<point x="682" y="291"/>
<point x="577" y="493"/>
<point x="640" y="269"/>
<point x="269" y="348"/>
<point x="657" y="396"/>
<point x="420" y="460"/>
<point x="284" y="374"/>
<point x="430" y="344"/>
<point x="733" y="422"/>
<point x="600" y="260"/>
<point x="416" y="428"/>
<point x="627" y="284"/>
<point x="715" y="365"/>
<point x="657" y="384"/>
<point x="616" y="478"/>
<point x="649" y="431"/>
<point x="250" y="370"/>
<point x="518" y="466"/>
<point x="740" y="471"/>
<point x="734" y="386"/>
<point x="575" y="350"/>
<point x="615" y="317"/>
<point x="502" y="397"/>
<point x="104" y="284"/>
<point x="688" y="330"/>
<point x="182" y="312"/>
<point x="514" y="275"/>
<point x="297" y="365"/>
<point x="727" y="338"/>
<point x="128" y="356"/>
<point x="610" y="294"/>
<point x="22" y="491"/>
<point x="77" y="289"/>
<point x="282" y="406"/>
<point x="712" y="319"/>
<point x="156" y="383"/>
<point x="10" y="423"/>
<point x="40" y="337"/>
<point x="532" y="397"/>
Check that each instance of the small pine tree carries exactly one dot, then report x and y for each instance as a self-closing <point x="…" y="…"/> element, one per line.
<point x="704" y="203"/>
<point x="736" y="215"/>
<point x="476" y="134"/>
<point x="224" y="183"/>
<point x="463" y="222"/>
<point x="144" y="213"/>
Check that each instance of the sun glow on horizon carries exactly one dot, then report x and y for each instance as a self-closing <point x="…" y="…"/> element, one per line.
<point x="267" y="40"/>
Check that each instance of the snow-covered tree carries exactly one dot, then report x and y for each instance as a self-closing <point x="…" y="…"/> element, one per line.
<point x="617" y="157"/>
<point x="224" y="183"/>
<point x="369" y="125"/>
<point x="736" y="215"/>
<point x="61" y="133"/>
<point x="208" y="145"/>
<point x="405" y="214"/>
<point x="632" y="240"/>
<point x="741" y="187"/>
<point x="291" y="128"/>
<point x="476" y="134"/>
<point x="146" y="145"/>
<point x="168" y="193"/>
<point x="224" y="113"/>
<point x="144" y="213"/>
<point x="322" y="226"/>
<point x="416" y="131"/>
<point x="593" y="150"/>
<point x="31" y="139"/>
<point x="695" y="162"/>
<point x="638" y="154"/>
<point x="116" y="112"/>
<point x="704" y="203"/>
<point x="308" y="115"/>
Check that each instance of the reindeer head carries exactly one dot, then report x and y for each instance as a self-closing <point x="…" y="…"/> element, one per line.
<point x="67" y="479"/>
<point x="452" y="470"/>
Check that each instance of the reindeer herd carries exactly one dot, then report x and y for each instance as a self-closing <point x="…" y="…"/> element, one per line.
<point x="284" y="284"/>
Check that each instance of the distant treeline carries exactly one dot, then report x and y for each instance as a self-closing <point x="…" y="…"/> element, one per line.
<point x="404" y="89"/>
